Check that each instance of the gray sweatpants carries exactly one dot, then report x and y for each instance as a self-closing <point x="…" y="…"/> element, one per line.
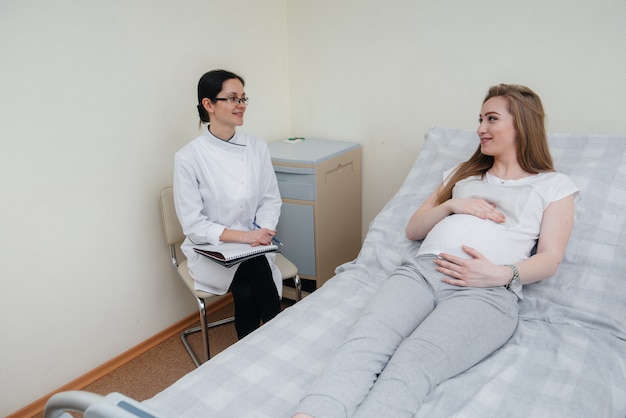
<point x="415" y="333"/>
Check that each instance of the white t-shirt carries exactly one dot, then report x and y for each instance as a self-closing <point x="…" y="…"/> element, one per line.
<point x="522" y="201"/>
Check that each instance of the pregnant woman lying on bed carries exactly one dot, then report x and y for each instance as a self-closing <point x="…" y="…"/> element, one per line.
<point x="456" y="301"/>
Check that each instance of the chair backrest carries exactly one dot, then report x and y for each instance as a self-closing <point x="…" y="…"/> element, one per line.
<point x="171" y="227"/>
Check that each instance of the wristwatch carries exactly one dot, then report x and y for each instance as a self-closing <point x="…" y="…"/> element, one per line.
<point x="514" y="281"/>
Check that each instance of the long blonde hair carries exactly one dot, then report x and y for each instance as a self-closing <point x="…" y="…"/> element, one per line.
<point x="533" y="152"/>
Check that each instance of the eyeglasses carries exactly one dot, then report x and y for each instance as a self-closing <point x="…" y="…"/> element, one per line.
<point x="233" y="100"/>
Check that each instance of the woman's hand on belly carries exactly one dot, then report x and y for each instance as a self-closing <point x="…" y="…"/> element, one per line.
<point x="477" y="207"/>
<point x="476" y="271"/>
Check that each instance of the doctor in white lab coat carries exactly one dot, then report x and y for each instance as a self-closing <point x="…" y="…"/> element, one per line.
<point x="224" y="183"/>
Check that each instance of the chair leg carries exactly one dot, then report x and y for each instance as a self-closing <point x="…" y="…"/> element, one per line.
<point x="203" y="328"/>
<point x="205" y="331"/>
<point x="298" y="285"/>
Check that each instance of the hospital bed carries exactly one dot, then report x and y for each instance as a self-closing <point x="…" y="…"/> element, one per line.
<point x="567" y="357"/>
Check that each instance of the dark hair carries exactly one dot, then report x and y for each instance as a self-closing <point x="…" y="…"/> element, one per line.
<point x="209" y="86"/>
<point x="533" y="153"/>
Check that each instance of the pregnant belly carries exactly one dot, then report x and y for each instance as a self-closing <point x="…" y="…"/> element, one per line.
<point x="451" y="233"/>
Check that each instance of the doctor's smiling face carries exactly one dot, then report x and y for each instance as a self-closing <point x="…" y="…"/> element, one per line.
<point x="227" y="108"/>
<point x="221" y="102"/>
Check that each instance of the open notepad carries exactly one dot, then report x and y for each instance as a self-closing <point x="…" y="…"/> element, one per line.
<point x="229" y="254"/>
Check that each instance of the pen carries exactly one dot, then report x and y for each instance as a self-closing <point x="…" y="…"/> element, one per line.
<point x="273" y="238"/>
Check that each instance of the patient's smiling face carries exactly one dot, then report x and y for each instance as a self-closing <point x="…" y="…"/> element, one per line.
<point x="496" y="129"/>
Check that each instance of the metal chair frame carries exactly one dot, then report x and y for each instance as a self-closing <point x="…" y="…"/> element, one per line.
<point x="174" y="237"/>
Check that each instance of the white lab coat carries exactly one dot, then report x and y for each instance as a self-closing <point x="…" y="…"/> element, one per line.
<point x="220" y="185"/>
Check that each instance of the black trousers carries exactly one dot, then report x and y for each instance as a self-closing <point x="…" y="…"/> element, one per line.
<point x="255" y="295"/>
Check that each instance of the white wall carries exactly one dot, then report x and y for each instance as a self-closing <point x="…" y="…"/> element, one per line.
<point x="96" y="97"/>
<point x="383" y="72"/>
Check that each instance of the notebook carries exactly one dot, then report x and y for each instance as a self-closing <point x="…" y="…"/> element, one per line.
<point x="229" y="254"/>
